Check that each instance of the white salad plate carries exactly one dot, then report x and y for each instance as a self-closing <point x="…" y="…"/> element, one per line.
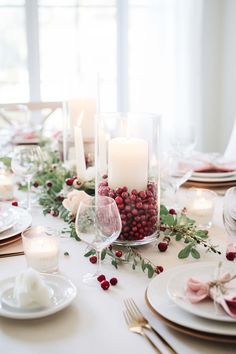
<point x="159" y="301"/>
<point x="23" y="221"/>
<point x="62" y="290"/>
<point x="8" y="218"/>
<point x="176" y="290"/>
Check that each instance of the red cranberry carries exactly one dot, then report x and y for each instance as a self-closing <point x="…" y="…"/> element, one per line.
<point x="133" y="197"/>
<point x="172" y="212"/>
<point x="231" y="256"/>
<point x="104" y="176"/>
<point x="113" y="281"/>
<point x="69" y="181"/>
<point x="125" y="189"/>
<point x="49" y="184"/>
<point x="134" y="191"/>
<point x="124" y="195"/>
<point x="35" y="184"/>
<point x="105" y="284"/>
<point x="78" y="183"/>
<point x="119" y="190"/>
<point x="118" y="254"/>
<point x="139" y="205"/>
<point x="54" y="213"/>
<point x="162" y="246"/>
<point x="101" y="277"/>
<point x="14" y="203"/>
<point x="142" y="194"/>
<point x="159" y="269"/>
<point x="118" y="200"/>
<point x="93" y="259"/>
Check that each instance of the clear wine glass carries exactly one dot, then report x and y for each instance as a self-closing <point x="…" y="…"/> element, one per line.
<point x="98" y="224"/>
<point x="26" y="161"/>
<point x="229" y="214"/>
<point x="177" y="172"/>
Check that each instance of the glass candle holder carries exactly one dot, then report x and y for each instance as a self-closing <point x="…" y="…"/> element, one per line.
<point x="200" y="206"/>
<point x="41" y="248"/>
<point x="127" y="170"/>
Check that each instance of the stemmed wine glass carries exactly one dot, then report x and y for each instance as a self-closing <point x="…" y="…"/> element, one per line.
<point x="229" y="214"/>
<point x="177" y="172"/>
<point x="98" y="224"/>
<point x="26" y="161"/>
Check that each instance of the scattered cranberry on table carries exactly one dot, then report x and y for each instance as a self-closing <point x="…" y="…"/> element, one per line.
<point x="113" y="281"/>
<point x="93" y="259"/>
<point x="159" y="269"/>
<point x="105" y="284"/>
<point x="35" y="184"/>
<point x="162" y="246"/>
<point x="231" y="256"/>
<point x="101" y="277"/>
<point x="14" y="203"/>
<point x="172" y="212"/>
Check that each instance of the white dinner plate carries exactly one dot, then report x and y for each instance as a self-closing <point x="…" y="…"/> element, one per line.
<point x="159" y="300"/>
<point x="23" y="221"/>
<point x="63" y="293"/>
<point x="214" y="174"/>
<point x="231" y="176"/>
<point x="177" y="285"/>
<point x="8" y="217"/>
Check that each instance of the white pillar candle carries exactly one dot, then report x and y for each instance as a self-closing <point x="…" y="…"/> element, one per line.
<point x="79" y="153"/>
<point x="42" y="253"/>
<point x="6" y="187"/>
<point x="128" y="163"/>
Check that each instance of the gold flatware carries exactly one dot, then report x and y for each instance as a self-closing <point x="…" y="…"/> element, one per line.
<point x="12" y="254"/>
<point x="135" y="327"/>
<point x="134" y="313"/>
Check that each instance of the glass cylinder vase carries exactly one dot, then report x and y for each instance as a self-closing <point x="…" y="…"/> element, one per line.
<point x="127" y="169"/>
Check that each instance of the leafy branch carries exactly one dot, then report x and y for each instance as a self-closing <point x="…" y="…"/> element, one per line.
<point x="182" y="228"/>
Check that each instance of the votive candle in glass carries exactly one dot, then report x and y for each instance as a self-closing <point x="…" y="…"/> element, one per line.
<point x="200" y="206"/>
<point x="41" y="248"/>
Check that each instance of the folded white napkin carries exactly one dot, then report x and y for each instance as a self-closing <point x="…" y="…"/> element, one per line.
<point x="30" y="290"/>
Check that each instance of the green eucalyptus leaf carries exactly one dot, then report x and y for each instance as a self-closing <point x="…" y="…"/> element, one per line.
<point x="103" y="254"/>
<point x="90" y="253"/>
<point x="184" y="253"/>
<point x="194" y="253"/>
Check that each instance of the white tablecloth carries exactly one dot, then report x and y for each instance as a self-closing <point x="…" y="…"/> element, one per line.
<point x="94" y="322"/>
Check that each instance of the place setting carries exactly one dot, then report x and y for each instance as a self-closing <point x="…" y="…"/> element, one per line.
<point x="40" y="290"/>
<point x="198" y="300"/>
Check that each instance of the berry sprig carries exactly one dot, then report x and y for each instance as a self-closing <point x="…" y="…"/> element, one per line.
<point x="126" y="255"/>
<point x="182" y="228"/>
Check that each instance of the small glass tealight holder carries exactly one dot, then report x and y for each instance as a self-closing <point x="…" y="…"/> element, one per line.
<point x="200" y="206"/>
<point x="41" y="248"/>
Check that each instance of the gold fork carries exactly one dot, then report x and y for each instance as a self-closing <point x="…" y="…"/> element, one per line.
<point x="135" y="327"/>
<point x="138" y="317"/>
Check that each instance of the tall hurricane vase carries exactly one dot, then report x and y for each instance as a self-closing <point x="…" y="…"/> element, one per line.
<point x="127" y="170"/>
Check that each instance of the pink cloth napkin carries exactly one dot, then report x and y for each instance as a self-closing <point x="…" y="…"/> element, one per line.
<point x="198" y="290"/>
<point x="204" y="166"/>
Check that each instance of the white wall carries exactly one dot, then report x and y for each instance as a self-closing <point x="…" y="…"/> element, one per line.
<point x="218" y="73"/>
<point x="212" y="27"/>
<point x="229" y="71"/>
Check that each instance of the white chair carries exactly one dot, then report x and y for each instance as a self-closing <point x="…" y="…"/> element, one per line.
<point x="230" y="151"/>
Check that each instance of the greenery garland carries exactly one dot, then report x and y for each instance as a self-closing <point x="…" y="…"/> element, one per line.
<point x="52" y="186"/>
